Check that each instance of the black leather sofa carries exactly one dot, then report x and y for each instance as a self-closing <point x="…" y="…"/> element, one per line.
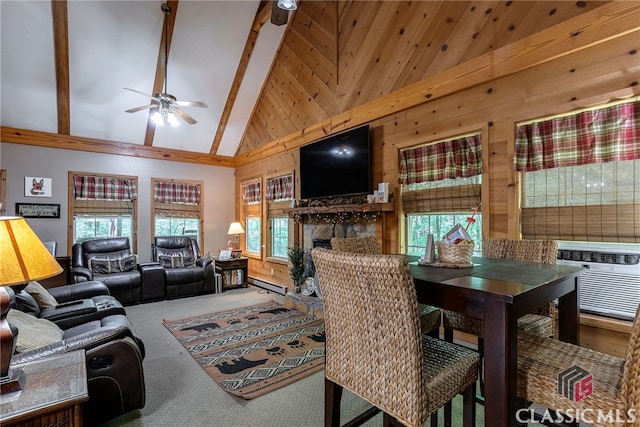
<point x="185" y="271"/>
<point x="113" y="354"/>
<point x="125" y="284"/>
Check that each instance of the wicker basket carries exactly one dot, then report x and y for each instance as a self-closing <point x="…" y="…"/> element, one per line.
<point x="454" y="254"/>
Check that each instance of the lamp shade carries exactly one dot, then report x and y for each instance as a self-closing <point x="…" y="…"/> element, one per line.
<point x="23" y="256"/>
<point x="235" y="228"/>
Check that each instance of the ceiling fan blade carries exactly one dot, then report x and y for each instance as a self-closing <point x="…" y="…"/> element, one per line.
<point x="137" y="91"/>
<point x="187" y="118"/>
<point x="144" y="107"/>
<point x="192" y="104"/>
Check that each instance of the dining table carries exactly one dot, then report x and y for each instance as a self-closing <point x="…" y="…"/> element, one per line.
<point x="498" y="292"/>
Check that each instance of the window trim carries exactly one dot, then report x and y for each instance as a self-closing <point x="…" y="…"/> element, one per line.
<point x="71" y="210"/>
<point x="201" y="206"/>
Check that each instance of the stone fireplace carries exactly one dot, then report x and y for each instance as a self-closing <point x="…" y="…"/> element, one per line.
<point x="319" y="231"/>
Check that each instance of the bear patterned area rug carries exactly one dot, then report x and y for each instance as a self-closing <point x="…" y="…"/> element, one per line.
<point x="254" y="350"/>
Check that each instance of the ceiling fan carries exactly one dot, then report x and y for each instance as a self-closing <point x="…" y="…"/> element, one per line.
<point x="167" y="106"/>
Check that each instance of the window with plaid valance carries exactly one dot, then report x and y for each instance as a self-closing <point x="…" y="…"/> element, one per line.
<point x="443" y="176"/>
<point x="177" y="199"/>
<point x="280" y="188"/>
<point x="608" y="134"/>
<point x="251" y="193"/>
<point x="580" y="175"/>
<point x="103" y="194"/>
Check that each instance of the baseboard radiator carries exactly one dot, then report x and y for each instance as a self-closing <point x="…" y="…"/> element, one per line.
<point x="279" y="289"/>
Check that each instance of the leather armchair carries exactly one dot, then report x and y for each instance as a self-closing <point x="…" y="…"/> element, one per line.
<point x="114" y="357"/>
<point x="77" y="304"/>
<point x="194" y="279"/>
<point x="125" y="286"/>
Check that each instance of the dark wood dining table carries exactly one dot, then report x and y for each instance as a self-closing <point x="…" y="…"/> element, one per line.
<point x="499" y="292"/>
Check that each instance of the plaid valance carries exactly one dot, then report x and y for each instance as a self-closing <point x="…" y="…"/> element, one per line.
<point x="280" y="188"/>
<point x="176" y="192"/>
<point x="103" y="188"/>
<point x="251" y="193"/>
<point x="596" y="136"/>
<point x="456" y="158"/>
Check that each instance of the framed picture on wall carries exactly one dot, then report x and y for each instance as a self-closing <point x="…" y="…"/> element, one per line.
<point x="38" y="210"/>
<point x="37" y="187"/>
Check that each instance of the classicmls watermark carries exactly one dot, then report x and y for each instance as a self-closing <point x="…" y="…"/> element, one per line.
<point x="576" y="383"/>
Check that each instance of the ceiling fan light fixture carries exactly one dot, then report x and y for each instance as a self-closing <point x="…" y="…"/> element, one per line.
<point x="287" y="4"/>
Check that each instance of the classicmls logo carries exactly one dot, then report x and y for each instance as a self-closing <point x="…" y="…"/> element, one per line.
<point x="575" y="383"/>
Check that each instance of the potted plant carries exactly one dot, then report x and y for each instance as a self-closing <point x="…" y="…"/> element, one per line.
<point x="296" y="265"/>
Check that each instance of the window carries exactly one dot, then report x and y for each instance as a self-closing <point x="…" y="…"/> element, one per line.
<point x="252" y="228"/>
<point x="279" y="237"/>
<point x="279" y="191"/>
<point x="251" y="211"/>
<point x="177" y="208"/>
<point x="103" y="206"/>
<point x="419" y="226"/>
<point x="580" y="175"/>
<point x="441" y="184"/>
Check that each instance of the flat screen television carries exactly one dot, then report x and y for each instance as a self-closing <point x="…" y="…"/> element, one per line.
<point x="339" y="165"/>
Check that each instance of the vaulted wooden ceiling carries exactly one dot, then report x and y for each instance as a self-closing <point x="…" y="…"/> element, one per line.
<point x="336" y="56"/>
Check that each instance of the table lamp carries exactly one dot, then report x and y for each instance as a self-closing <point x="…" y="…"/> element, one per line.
<point x="234" y="245"/>
<point x="24" y="258"/>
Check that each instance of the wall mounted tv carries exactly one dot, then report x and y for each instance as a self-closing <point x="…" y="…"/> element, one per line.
<point x="339" y="165"/>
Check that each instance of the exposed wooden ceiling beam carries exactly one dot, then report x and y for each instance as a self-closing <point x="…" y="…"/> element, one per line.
<point x="262" y="16"/>
<point x="61" y="54"/>
<point x="158" y="82"/>
<point x="45" y="139"/>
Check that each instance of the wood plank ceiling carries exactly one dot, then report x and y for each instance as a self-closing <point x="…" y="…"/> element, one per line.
<point x="335" y="56"/>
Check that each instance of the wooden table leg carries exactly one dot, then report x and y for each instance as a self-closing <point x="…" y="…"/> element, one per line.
<point x="500" y="364"/>
<point x="569" y="315"/>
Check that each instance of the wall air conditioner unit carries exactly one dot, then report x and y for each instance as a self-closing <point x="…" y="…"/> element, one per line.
<point x="611" y="284"/>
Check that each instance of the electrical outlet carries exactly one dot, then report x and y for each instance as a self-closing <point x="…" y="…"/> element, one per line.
<point x="272" y="271"/>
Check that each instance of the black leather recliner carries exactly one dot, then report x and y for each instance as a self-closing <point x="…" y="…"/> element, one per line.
<point x="195" y="279"/>
<point x="77" y="304"/>
<point x="125" y="286"/>
<point x="113" y="354"/>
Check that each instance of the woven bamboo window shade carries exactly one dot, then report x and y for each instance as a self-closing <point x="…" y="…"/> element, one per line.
<point x="581" y="177"/>
<point x="566" y="203"/>
<point x="174" y="199"/>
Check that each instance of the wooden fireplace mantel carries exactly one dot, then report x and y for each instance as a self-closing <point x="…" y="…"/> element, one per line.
<point x="341" y="209"/>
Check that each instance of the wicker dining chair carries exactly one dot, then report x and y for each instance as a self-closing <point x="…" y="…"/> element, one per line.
<point x="374" y="346"/>
<point x="615" y="382"/>
<point x="541" y="322"/>
<point x="430" y="316"/>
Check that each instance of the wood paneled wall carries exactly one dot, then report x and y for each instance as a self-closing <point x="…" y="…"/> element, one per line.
<point x="593" y="73"/>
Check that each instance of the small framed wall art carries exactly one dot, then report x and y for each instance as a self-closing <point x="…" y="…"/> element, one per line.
<point x="37" y="187"/>
<point x="38" y="210"/>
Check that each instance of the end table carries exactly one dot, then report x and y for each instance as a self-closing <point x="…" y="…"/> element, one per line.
<point x="52" y="394"/>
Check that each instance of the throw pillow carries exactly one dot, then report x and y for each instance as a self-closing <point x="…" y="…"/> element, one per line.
<point x="113" y="265"/>
<point x="26" y="303"/>
<point x="41" y="295"/>
<point x="175" y="261"/>
<point x="33" y="332"/>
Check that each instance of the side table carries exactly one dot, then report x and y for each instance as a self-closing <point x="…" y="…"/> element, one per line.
<point x="233" y="271"/>
<point x="52" y="394"/>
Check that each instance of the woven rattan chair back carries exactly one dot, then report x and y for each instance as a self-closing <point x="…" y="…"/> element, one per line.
<point x="630" y="385"/>
<point x="375" y="346"/>
<point x="429" y="315"/>
<point x="373" y="341"/>
<point x="361" y="245"/>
